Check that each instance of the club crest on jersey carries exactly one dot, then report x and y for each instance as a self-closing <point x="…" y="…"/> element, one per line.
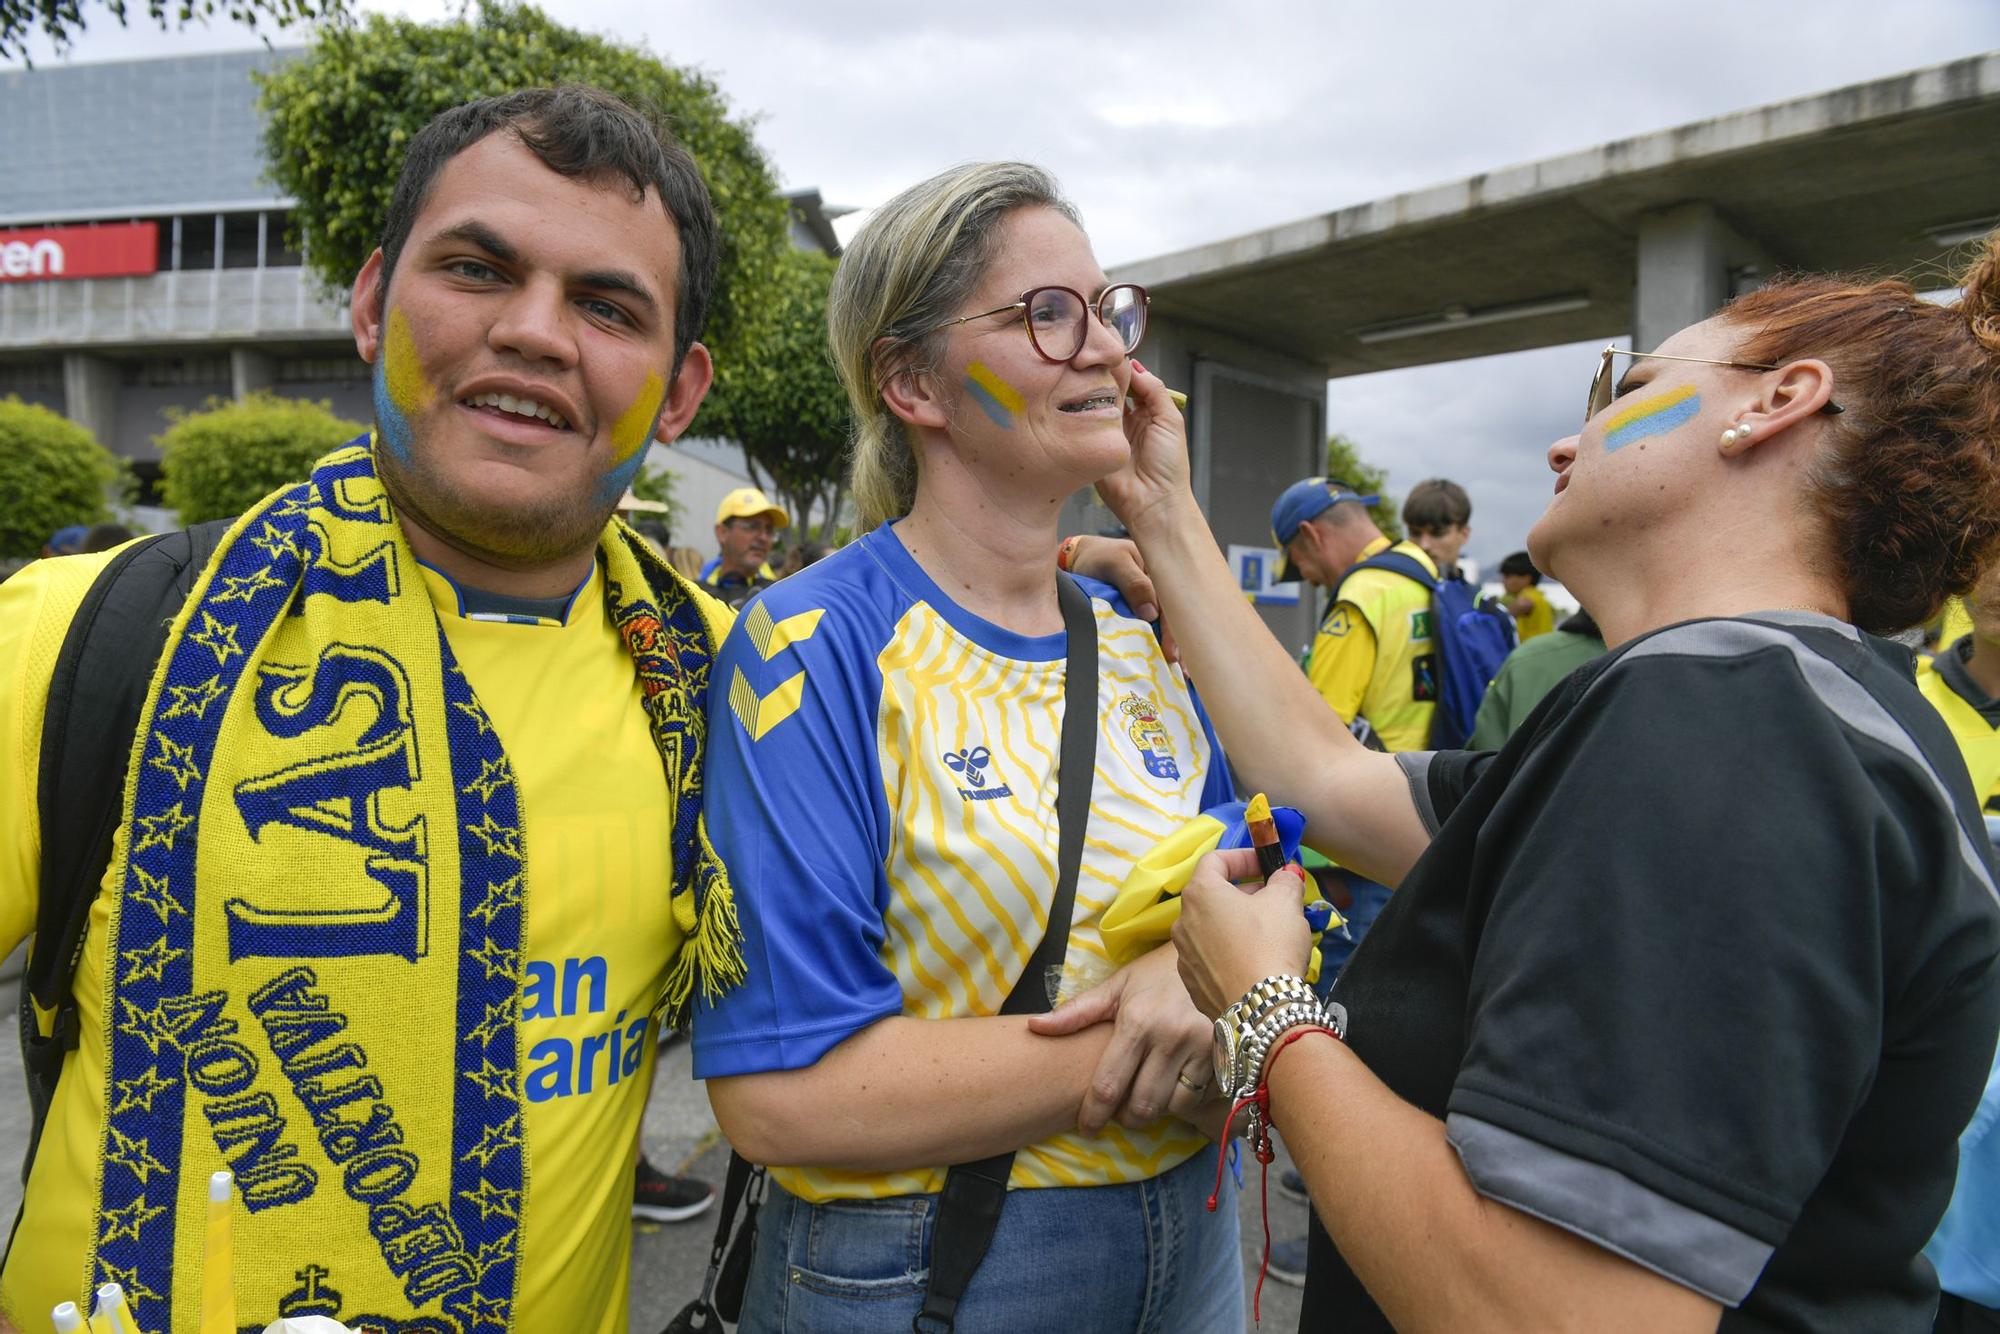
<point x="1149" y="735"/>
<point x="971" y="765"/>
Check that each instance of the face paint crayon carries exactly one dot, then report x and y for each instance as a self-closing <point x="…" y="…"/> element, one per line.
<point x="1000" y="401"/>
<point x="1655" y="416"/>
<point x="1264" y="836"/>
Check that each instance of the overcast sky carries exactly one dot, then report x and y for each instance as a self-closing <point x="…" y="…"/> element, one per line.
<point x="1174" y="124"/>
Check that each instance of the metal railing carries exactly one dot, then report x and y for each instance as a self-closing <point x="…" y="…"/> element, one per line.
<point x="201" y="306"/>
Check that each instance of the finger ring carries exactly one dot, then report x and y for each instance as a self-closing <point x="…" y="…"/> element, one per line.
<point x="1189" y="1084"/>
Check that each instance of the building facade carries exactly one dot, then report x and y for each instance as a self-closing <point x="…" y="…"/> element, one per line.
<point x="145" y="263"/>
<point x="147" y="266"/>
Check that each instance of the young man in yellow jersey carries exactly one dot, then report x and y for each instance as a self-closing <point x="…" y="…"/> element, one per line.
<point x="1963" y="683"/>
<point x="411" y="841"/>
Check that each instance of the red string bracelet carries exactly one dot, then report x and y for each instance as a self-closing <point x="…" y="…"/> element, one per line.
<point x="1259" y="1101"/>
<point x="1066" y="553"/>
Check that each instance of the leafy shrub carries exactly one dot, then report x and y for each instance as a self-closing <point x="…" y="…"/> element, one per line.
<point x="218" y="462"/>
<point x="53" y="473"/>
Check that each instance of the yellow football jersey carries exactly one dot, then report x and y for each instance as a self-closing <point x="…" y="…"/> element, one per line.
<point x="564" y="699"/>
<point x="1373" y="657"/>
<point x="1974" y="717"/>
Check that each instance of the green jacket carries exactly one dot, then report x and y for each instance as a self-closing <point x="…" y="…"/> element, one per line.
<point x="1530" y="672"/>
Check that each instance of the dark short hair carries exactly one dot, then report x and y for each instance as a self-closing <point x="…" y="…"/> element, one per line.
<point x="585" y="134"/>
<point x="1436" y="505"/>
<point x="1518" y="563"/>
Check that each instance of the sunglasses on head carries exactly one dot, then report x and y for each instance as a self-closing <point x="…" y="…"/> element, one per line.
<point x="1602" y="386"/>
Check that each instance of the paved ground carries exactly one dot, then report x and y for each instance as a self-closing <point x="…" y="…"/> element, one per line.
<point x="680" y="1135"/>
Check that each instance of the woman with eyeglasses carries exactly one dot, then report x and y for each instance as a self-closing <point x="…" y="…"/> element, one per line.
<point x="1686" y="993"/>
<point x="886" y="760"/>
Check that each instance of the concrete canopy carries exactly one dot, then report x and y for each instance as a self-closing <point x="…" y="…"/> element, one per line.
<point x="1883" y="176"/>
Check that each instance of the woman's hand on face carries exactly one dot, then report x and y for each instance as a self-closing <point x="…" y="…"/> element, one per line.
<point x="1157" y="472"/>
<point x="1158" y="1036"/>
<point x="1116" y="561"/>
<point x="1230" y="939"/>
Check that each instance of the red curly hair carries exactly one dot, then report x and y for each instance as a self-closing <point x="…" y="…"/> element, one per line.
<point x="1909" y="486"/>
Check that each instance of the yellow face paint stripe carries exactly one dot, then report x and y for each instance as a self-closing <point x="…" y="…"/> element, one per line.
<point x="1006" y="395"/>
<point x="634" y="426"/>
<point x="1666" y="402"/>
<point x="408" y="389"/>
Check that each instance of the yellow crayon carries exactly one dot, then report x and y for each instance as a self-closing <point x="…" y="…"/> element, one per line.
<point x="218" y="1272"/>
<point x="1264" y="836"/>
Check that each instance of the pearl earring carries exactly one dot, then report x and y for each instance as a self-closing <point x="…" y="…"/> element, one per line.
<point x="1734" y="435"/>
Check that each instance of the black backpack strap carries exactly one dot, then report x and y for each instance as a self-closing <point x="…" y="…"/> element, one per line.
<point x="96" y="693"/>
<point x="974" y="1193"/>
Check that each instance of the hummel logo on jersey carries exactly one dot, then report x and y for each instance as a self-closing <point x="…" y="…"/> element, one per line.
<point x="972" y="765"/>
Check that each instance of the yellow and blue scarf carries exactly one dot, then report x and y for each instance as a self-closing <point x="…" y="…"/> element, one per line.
<point x="314" y="969"/>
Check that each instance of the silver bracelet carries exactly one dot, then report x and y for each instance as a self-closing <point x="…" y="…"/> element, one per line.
<point x="1274" y="1025"/>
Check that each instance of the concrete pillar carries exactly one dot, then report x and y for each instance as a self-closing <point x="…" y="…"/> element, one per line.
<point x="1690" y="260"/>
<point x="1256" y="423"/>
<point x="250" y="371"/>
<point x="90" y="396"/>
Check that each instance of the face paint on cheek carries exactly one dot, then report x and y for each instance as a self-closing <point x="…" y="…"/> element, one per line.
<point x="629" y="436"/>
<point x="400" y="386"/>
<point x="1655" y="416"/>
<point x="1000" y="401"/>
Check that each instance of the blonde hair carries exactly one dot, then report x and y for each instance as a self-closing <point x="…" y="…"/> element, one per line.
<point x="905" y="274"/>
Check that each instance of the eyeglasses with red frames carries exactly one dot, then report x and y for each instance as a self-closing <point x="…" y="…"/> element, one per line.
<point x="1058" y="318"/>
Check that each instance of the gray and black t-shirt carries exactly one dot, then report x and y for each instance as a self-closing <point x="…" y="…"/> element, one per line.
<point x="1701" y="966"/>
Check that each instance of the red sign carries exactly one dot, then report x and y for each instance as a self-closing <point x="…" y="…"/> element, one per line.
<point x="112" y="251"/>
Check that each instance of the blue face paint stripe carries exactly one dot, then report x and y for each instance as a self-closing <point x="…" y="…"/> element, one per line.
<point x="611" y="488"/>
<point x="1668" y="418"/>
<point x="391" y="424"/>
<point x="995" y="411"/>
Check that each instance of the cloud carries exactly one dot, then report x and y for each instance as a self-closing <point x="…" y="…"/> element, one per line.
<point x="1181" y="123"/>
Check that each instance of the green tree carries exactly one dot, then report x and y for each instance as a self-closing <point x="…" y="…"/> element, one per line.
<point x="217" y="463"/>
<point x="337" y="122"/>
<point x="783" y="401"/>
<point x="53" y="473"/>
<point x="659" y="484"/>
<point x="1343" y="460"/>
<point x="62" y="20"/>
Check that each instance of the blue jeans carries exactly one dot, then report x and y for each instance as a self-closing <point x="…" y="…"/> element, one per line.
<point x="1144" y="1257"/>
<point x="1369" y="900"/>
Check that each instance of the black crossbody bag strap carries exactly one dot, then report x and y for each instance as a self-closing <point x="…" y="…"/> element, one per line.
<point x="974" y="1193"/>
<point x="97" y="689"/>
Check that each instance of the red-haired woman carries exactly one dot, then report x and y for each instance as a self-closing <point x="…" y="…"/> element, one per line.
<point x="1687" y="992"/>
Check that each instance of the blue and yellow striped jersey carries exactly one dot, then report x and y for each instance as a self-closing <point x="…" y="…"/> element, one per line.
<point x="882" y="784"/>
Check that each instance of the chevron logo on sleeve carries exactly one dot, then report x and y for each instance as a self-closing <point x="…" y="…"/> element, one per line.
<point x="773" y="637"/>
<point x="760" y="713"/>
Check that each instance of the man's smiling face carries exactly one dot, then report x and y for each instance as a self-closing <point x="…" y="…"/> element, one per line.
<point x="522" y="350"/>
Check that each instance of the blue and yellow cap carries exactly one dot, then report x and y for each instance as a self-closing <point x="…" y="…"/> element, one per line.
<point x="1307" y="500"/>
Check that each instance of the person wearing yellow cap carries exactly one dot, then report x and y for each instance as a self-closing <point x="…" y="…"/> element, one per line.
<point x="745" y="523"/>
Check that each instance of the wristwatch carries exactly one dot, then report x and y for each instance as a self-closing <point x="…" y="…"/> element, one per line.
<point x="1239" y="1027"/>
